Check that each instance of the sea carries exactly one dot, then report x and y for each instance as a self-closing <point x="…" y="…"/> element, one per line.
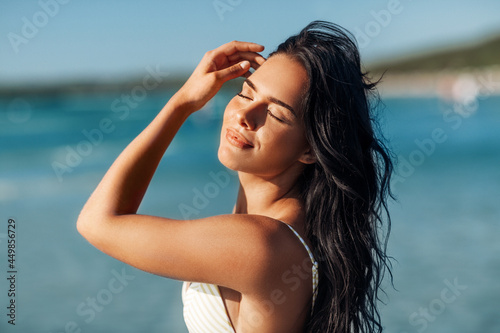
<point x="54" y="149"/>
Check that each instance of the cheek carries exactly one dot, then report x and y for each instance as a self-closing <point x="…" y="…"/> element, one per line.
<point x="288" y="144"/>
<point x="231" y="106"/>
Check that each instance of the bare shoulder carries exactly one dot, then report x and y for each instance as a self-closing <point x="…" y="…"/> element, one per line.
<point x="282" y="259"/>
<point x="283" y="289"/>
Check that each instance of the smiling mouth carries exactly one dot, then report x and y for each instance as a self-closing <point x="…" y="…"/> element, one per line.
<point x="237" y="140"/>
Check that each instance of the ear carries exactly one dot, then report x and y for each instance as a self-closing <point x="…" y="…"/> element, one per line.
<point x="308" y="157"/>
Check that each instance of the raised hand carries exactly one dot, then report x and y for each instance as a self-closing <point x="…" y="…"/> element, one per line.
<point x="226" y="62"/>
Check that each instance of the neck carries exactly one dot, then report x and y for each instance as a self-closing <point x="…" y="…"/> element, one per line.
<point x="277" y="197"/>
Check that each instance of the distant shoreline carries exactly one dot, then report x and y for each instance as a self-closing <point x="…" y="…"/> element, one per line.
<point x="447" y="84"/>
<point x="67" y="88"/>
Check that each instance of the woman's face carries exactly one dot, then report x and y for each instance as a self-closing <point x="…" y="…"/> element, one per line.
<point x="262" y="132"/>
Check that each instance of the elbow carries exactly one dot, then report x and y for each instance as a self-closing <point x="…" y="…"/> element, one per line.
<point x="89" y="222"/>
<point x="83" y="224"/>
<point x="91" y="214"/>
<point x="93" y="224"/>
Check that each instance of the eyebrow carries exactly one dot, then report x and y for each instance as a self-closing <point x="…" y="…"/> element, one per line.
<point x="272" y="99"/>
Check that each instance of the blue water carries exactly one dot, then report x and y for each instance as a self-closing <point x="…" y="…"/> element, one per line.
<point x="445" y="223"/>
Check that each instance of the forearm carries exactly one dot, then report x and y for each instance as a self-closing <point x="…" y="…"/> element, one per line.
<point x="124" y="185"/>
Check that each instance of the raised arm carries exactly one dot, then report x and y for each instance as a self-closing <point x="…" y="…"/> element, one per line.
<point x="124" y="185"/>
<point x="187" y="250"/>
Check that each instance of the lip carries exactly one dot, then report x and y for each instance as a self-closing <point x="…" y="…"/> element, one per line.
<point x="237" y="139"/>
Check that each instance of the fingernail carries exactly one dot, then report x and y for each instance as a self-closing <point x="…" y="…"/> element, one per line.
<point x="245" y="64"/>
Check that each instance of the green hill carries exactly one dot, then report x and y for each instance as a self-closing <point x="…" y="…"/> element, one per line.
<point x="480" y="54"/>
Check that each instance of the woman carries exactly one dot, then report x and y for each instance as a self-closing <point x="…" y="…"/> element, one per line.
<point x="301" y="251"/>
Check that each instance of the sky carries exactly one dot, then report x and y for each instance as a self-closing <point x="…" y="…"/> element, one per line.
<point x="51" y="41"/>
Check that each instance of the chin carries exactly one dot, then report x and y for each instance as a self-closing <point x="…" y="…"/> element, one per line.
<point x="226" y="159"/>
<point x="234" y="161"/>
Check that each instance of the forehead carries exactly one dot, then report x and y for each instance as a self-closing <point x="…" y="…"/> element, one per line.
<point x="283" y="78"/>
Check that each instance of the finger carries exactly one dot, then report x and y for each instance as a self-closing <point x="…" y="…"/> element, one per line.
<point x="250" y="71"/>
<point x="251" y="56"/>
<point x="255" y="59"/>
<point x="219" y="57"/>
<point x="234" y="71"/>
<point x="237" y="46"/>
<point x="260" y="60"/>
<point x="253" y="64"/>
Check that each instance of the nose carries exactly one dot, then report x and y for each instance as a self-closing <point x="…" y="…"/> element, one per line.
<point x="251" y="116"/>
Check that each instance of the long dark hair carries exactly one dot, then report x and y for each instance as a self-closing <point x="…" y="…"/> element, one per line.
<point x="346" y="190"/>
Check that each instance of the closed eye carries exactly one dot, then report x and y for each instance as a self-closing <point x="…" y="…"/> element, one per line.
<point x="273" y="116"/>
<point x="244" y="97"/>
<point x="268" y="111"/>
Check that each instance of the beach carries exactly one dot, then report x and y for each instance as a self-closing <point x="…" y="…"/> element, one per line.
<point x="55" y="149"/>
